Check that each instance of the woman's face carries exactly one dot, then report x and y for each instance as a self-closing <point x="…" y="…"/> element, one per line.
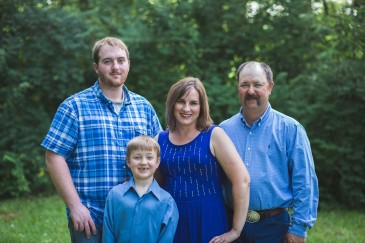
<point x="187" y="108"/>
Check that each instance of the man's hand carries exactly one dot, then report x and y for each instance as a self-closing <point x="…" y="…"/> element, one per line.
<point x="290" y="238"/>
<point x="82" y="220"/>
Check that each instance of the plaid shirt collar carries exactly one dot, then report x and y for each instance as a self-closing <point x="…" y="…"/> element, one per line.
<point x="99" y="93"/>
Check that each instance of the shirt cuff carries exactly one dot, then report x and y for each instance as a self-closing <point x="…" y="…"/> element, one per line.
<point x="298" y="230"/>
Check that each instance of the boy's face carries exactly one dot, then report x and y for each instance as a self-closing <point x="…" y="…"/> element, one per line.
<point x="143" y="164"/>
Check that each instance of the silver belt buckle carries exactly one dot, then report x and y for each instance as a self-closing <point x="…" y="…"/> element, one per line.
<point x="252" y="216"/>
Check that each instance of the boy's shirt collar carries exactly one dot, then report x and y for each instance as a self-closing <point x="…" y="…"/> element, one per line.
<point x="154" y="188"/>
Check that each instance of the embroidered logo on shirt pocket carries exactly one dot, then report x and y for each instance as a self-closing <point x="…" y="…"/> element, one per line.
<point x="274" y="149"/>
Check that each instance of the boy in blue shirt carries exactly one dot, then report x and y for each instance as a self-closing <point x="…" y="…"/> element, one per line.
<point x="139" y="210"/>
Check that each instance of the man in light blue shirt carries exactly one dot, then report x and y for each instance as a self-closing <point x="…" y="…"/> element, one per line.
<point x="140" y="210"/>
<point x="277" y="154"/>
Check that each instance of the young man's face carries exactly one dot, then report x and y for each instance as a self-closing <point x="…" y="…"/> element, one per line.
<point x="113" y="66"/>
<point x="143" y="164"/>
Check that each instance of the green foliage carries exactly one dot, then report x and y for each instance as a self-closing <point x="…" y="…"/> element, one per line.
<point x="330" y="105"/>
<point x="315" y="48"/>
<point x="12" y="170"/>
<point x="41" y="64"/>
<point x="329" y="100"/>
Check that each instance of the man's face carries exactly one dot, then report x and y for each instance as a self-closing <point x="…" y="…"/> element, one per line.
<point x="113" y="66"/>
<point x="254" y="89"/>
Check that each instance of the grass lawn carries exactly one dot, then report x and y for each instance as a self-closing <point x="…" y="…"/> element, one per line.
<point x="38" y="219"/>
<point x="338" y="226"/>
<point x="43" y="219"/>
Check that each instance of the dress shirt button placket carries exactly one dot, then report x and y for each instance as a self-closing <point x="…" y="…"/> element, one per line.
<point x="248" y="153"/>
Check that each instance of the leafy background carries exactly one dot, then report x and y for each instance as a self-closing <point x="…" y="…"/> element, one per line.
<point x="315" y="48"/>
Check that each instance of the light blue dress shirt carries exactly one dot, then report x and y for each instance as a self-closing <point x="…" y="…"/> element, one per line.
<point x="130" y="218"/>
<point x="277" y="154"/>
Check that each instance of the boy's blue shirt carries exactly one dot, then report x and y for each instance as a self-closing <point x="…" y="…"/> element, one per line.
<point x="131" y="218"/>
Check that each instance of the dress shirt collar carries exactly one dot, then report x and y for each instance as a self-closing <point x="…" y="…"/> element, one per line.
<point x="259" y="121"/>
<point x="99" y="93"/>
<point x="154" y="188"/>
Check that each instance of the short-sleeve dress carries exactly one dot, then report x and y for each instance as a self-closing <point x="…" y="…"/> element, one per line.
<point x="192" y="175"/>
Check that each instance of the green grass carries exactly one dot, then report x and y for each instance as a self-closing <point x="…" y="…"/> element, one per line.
<point x="338" y="226"/>
<point x="42" y="219"/>
<point x="37" y="219"/>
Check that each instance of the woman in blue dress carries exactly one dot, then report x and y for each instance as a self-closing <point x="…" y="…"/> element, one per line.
<point x="195" y="155"/>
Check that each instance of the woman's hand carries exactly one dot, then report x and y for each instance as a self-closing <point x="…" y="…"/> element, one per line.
<point x="226" y="237"/>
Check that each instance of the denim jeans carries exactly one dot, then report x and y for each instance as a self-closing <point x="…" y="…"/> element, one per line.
<point x="269" y="230"/>
<point x="80" y="237"/>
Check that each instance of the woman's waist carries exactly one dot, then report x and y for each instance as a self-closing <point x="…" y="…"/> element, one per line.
<point x="195" y="194"/>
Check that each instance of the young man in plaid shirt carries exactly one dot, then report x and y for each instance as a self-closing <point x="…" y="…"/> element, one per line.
<point x="86" y="143"/>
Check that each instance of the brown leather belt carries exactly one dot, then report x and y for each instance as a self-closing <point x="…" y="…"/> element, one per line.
<point x="254" y="216"/>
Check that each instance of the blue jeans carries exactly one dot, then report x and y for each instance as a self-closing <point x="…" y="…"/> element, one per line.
<point x="268" y="230"/>
<point x="80" y="237"/>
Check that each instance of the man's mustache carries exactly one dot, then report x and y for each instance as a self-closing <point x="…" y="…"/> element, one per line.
<point x="252" y="97"/>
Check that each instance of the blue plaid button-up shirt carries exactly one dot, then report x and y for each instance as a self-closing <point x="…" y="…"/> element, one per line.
<point x="93" y="138"/>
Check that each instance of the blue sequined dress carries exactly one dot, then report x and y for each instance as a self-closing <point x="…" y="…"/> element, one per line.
<point x="192" y="175"/>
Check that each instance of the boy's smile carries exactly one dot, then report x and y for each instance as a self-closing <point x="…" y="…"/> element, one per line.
<point x="143" y="164"/>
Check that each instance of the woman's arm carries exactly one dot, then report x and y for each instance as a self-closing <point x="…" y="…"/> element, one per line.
<point x="224" y="150"/>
